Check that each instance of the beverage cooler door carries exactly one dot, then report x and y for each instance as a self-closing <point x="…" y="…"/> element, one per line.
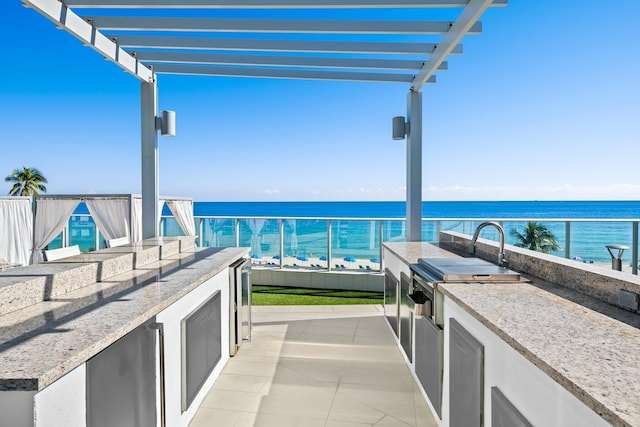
<point x="239" y="304"/>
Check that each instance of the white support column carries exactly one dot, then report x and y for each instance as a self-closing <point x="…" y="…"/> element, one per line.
<point x="414" y="166"/>
<point x="150" y="186"/>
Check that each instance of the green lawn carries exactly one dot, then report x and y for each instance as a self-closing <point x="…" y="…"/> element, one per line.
<point x="280" y="295"/>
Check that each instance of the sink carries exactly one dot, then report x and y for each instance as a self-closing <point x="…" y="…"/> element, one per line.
<point x="467" y="270"/>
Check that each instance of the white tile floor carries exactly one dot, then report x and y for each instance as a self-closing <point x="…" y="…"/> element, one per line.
<point x="325" y="366"/>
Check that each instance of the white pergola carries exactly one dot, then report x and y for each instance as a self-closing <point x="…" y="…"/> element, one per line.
<point x="288" y="39"/>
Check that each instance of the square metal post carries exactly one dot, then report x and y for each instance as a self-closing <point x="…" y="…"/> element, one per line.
<point x="150" y="181"/>
<point x="414" y="167"/>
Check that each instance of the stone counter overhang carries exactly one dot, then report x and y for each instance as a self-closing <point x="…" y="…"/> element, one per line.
<point x="42" y="342"/>
<point x="590" y="347"/>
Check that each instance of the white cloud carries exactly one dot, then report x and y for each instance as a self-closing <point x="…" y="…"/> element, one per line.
<point x="270" y="192"/>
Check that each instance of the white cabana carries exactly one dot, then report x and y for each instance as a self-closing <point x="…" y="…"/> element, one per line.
<point x="115" y="215"/>
<point x="16" y="229"/>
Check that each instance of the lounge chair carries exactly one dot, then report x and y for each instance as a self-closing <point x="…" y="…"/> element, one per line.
<point x="55" y="254"/>
<point x="120" y="241"/>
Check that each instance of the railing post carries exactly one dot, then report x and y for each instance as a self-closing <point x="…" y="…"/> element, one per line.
<point x="380" y="235"/>
<point x="281" y="231"/>
<point x="97" y="237"/>
<point x="634" y="248"/>
<point x="200" y="232"/>
<point x="567" y="239"/>
<point x="237" y="231"/>
<point x="329" y="245"/>
<point x="65" y="235"/>
<point x="438" y="228"/>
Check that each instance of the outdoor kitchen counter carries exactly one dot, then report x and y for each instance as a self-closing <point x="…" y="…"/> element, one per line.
<point x="42" y="342"/>
<point x="589" y="347"/>
<point x="410" y="252"/>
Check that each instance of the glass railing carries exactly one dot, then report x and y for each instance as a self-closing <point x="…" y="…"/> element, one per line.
<point x="354" y="243"/>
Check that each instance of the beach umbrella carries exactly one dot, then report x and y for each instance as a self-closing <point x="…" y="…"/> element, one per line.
<point x="256" y="256"/>
<point x="303" y="258"/>
<point x="376" y="260"/>
<point x="349" y="259"/>
<point x="323" y="258"/>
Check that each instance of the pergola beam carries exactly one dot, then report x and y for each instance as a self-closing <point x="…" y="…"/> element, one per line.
<point x="299" y="26"/>
<point x="268" y="45"/>
<point x="66" y="19"/>
<point x="270" y="4"/>
<point x="277" y="73"/>
<point x="467" y="20"/>
<point x="279" y="61"/>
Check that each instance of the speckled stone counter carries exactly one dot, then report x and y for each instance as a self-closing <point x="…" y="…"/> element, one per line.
<point x="24" y="286"/>
<point x="410" y="252"/>
<point x="42" y="342"/>
<point x="588" y="346"/>
<point x="593" y="351"/>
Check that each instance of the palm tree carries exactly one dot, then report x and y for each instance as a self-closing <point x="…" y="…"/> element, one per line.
<point x="27" y="182"/>
<point x="536" y="237"/>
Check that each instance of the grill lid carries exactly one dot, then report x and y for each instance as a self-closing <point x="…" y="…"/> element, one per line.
<point x="467" y="270"/>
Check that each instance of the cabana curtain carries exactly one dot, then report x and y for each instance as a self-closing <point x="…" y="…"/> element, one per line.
<point x="256" y="226"/>
<point x="182" y="210"/>
<point x="136" y="219"/>
<point x="16" y="228"/>
<point x="51" y="217"/>
<point x="111" y="216"/>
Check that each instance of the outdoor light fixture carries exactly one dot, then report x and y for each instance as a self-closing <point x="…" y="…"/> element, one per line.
<point x="166" y="123"/>
<point x="400" y="127"/>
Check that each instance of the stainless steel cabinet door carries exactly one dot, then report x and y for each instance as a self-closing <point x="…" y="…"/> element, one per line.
<point x="429" y="360"/>
<point x="391" y="304"/>
<point x="466" y="372"/>
<point x="503" y="413"/>
<point x="121" y="382"/>
<point x="201" y="347"/>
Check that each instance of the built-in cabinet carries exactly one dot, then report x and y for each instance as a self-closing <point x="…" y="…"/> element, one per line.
<point x="466" y="375"/>
<point x="428" y="360"/>
<point x="406" y="316"/>
<point x="391" y="303"/>
<point x="121" y="381"/>
<point x="486" y="382"/>
<point x="503" y="413"/>
<point x="201" y="347"/>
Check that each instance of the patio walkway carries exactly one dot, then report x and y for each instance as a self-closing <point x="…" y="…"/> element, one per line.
<point x="324" y="366"/>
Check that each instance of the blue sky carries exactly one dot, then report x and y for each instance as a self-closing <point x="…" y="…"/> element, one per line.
<point x="544" y="104"/>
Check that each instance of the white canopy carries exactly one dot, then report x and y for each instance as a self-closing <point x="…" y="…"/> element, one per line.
<point x="115" y="215"/>
<point x="16" y="229"/>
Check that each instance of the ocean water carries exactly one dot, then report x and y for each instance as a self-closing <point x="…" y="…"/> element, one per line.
<point x="480" y="209"/>
<point x="307" y="235"/>
<point x="587" y="239"/>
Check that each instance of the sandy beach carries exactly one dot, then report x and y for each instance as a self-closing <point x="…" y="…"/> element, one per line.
<point x="317" y="263"/>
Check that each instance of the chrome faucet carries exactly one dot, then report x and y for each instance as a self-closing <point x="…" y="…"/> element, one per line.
<point x="502" y="262"/>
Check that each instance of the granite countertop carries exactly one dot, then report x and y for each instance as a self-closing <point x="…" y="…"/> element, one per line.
<point x="411" y="251"/>
<point x="588" y="346"/>
<point x="44" y="341"/>
<point x="591" y="349"/>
